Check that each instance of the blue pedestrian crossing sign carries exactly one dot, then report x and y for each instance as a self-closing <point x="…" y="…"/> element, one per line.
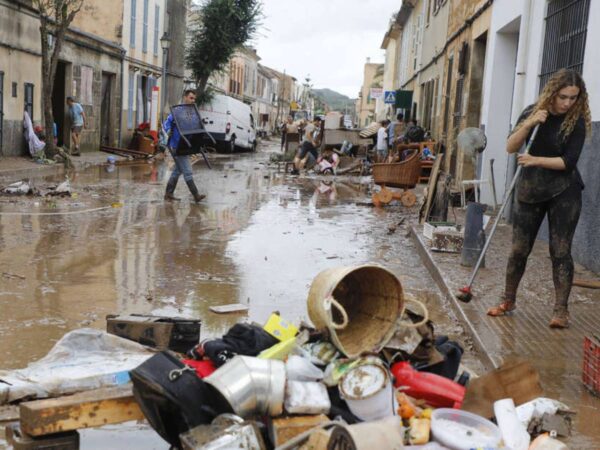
<point x="390" y="97"/>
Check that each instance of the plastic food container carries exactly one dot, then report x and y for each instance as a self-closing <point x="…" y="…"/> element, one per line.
<point x="461" y="430"/>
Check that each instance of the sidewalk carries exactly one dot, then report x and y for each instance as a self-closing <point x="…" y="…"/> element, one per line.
<point x="557" y="354"/>
<point x="22" y="166"/>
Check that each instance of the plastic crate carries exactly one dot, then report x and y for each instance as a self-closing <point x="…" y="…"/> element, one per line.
<point x="591" y="364"/>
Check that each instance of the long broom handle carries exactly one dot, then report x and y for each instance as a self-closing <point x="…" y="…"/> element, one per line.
<point x="507" y="197"/>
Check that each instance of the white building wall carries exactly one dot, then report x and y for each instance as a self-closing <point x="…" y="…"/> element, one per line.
<point x="506" y="93"/>
<point x="515" y="50"/>
<point x="136" y="52"/>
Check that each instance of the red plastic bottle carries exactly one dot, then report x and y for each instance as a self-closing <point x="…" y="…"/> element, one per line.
<point x="437" y="391"/>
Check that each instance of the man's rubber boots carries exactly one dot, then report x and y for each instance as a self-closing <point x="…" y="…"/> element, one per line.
<point x="194" y="190"/>
<point x="171" y="185"/>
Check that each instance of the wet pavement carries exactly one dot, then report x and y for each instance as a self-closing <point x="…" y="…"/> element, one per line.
<point x="259" y="238"/>
<point x="557" y="354"/>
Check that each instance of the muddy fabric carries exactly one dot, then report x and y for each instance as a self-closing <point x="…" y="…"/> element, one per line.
<point x="563" y="214"/>
<point x="537" y="184"/>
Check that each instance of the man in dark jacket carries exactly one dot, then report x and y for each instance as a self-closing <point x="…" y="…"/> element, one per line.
<point x="182" y="162"/>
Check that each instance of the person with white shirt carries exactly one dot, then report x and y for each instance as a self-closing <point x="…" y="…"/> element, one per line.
<point x="382" y="141"/>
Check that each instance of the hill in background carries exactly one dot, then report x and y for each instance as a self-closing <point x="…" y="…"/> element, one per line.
<point x="335" y="100"/>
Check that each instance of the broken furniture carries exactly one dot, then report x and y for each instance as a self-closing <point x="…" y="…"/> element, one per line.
<point x="426" y="164"/>
<point x="404" y="175"/>
<point x="193" y="133"/>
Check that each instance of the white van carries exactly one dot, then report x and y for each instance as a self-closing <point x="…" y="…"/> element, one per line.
<point x="230" y="122"/>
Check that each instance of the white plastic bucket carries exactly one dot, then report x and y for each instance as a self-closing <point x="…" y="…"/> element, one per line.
<point x="369" y="393"/>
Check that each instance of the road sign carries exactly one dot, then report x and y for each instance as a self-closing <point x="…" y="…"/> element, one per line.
<point x="390" y="97"/>
<point x="376" y="93"/>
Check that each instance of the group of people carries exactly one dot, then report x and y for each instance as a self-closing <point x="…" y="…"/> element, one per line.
<point x="388" y="135"/>
<point x="326" y="161"/>
<point x="550" y="184"/>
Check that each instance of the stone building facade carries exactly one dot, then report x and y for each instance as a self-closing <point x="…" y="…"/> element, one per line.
<point x="89" y="69"/>
<point x="372" y="78"/>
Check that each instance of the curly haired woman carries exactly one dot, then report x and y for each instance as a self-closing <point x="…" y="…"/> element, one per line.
<point x="550" y="184"/>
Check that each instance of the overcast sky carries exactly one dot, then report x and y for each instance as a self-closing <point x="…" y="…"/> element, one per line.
<point x="328" y="39"/>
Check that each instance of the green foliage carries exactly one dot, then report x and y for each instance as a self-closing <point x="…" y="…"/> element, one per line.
<point x="220" y="27"/>
<point x="334" y="100"/>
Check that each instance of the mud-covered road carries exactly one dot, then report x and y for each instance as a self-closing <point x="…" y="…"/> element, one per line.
<point x="259" y="238"/>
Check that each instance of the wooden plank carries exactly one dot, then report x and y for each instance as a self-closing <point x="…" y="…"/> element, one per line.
<point x="84" y="410"/>
<point x="433" y="177"/>
<point x="231" y="308"/>
<point x="284" y="429"/>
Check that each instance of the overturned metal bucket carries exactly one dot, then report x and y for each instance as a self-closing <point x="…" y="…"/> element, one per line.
<point x="251" y="386"/>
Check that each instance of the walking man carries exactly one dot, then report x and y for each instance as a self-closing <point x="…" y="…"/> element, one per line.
<point x="182" y="162"/>
<point x="78" y="122"/>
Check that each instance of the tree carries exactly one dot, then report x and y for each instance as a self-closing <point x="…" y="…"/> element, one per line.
<point x="55" y="18"/>
<point x="219" y="28"/>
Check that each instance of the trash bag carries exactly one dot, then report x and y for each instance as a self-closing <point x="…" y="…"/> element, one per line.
<point x="452" y="351"/>
<point x="173" y="398"/>
<point x="241" y="339"/>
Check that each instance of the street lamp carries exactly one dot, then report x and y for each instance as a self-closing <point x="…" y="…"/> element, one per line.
<point x="165" y="43"/>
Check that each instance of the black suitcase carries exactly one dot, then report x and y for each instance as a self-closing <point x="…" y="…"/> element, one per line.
<point x="164" y="333"/>
<point x="173" y="398"/>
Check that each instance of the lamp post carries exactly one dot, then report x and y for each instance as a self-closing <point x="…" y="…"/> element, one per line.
<point x="165" y="43"/>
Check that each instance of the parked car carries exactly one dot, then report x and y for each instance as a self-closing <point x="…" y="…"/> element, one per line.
<point x="230" y="122"/>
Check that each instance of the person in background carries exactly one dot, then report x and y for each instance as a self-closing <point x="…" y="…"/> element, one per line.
<point x="550" y="185"/>
<point x="328" y="162"/>
<point x="182" y="162"/>
<point x="78" y="122"/>
<point x="284" y="130"/>
<point x="310" y="143"/>
<point x="395" y="130"/>
<point x="382" y="141"/>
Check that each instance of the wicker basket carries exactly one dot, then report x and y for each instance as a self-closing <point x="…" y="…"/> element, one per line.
<point x="404" y="174"/>
<point x="372" y="298"/>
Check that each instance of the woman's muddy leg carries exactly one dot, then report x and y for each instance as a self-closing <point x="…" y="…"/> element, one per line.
<point x="563" y="215"/>
<point x="527" y="221"/>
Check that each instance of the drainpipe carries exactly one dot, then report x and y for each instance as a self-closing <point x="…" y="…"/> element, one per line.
<point x="519" y="88"/>
<point x="121" y="106"/>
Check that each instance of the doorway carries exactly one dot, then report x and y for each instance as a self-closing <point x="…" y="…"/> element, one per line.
<point x="1" y="107"/>
<point x="476" y="83"/>
<point x="106" y="129"/>
<point x="59" y="110"/>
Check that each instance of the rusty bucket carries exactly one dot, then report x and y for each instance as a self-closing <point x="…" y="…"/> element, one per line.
<point x="359" y="305"/>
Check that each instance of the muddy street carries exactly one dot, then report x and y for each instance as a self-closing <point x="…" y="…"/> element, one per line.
<point x="259" y="239"/>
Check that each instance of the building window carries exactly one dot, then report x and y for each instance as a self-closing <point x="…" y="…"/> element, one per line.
<point x="132" y="24"/>
<point x="130" y="93"/>
<point x="156" y="23"/>
<point x="458" y="101"/>
<point x="447" y="95"/>
<point x="564" y="43"/>
<point x="145" y="28"/>
<point x="87" y="81"/>
<point x="15" y="88"/>
<point x="437" y="5"/>
<point x="29" y="99"/>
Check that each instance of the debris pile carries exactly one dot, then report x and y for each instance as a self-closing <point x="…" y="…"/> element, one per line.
<point x="367" y="373"/>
